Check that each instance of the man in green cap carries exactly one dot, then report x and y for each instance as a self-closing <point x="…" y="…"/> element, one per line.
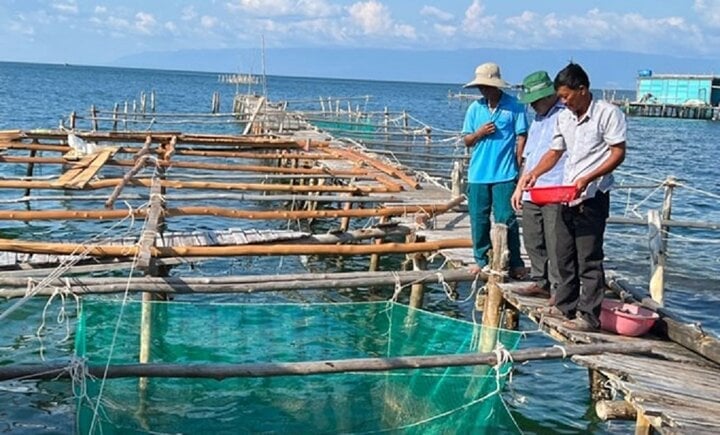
<point x="539" y="220"/>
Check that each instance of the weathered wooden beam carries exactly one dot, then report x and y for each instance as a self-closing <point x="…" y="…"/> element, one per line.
<point x="615" y="410"/>
<point x="223" y="371"/>
<point x="240" y="284"/>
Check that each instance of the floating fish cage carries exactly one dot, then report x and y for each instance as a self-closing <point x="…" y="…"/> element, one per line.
<point x="428" y="400"/>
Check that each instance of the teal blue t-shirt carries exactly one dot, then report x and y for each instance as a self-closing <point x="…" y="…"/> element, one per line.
<point x="493" y="157"/>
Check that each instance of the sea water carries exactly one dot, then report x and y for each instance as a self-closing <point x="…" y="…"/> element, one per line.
<point x="548" y="396"/>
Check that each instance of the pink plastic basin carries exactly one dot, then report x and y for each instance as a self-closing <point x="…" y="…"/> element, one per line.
<point x="552" y="194"/>
<point x="626" y="319"/>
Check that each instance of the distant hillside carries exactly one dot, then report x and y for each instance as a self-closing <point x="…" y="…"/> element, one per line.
<point x="610" y="70"/>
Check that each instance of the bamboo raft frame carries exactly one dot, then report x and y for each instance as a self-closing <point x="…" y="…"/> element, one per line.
<point x="317" y="172"/>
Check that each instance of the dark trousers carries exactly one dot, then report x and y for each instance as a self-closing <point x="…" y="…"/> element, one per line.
<point x="538" y="223"/>
<point x="579" y="235"/>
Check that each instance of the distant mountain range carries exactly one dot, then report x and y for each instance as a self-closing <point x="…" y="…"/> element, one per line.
<point x="607" y="69"/>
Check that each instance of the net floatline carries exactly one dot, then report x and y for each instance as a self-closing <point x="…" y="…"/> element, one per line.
<point x="413" y="401"/>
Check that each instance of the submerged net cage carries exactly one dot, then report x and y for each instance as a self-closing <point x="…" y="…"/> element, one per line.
<point x="434" y="400"/>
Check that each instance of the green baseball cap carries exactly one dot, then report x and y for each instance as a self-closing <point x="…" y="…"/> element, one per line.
<point x="536" y="86"/>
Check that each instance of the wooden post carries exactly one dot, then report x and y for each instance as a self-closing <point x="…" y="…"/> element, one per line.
<point x="386" y="120"/>
<point x="30" y="167"/>
<point x="125" y="118"/>
<point x="93" y="115"/>
<point x="598" y="391"/>
<point x="115" y="116"/>
<point x="642" y="425"/>
<point x="375" y="258"/>
<point x="456" y="178"/>
<point x="494" y="298"/>
<point x="417" y="291"/>
<point x="511" y="317"/>
<point x="669" y="184"/>
<point x="657" y="257"/>
<point x="345" y="221"/>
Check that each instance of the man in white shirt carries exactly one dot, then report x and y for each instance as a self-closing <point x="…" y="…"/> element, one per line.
<point x="592" y="133"/>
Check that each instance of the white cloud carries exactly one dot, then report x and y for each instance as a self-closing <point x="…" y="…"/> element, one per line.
<point x="446" y="30"/>
<point x="145" y="23"/>
<point x="208" y="22"/>
<point x="598" y="30"/>
<point x="276" y="8"/>
<point x="22" y="26"/>
<point x="476" y="23"/>
<point x="171" y="27"/>
<point x="100" y="10"/>
<point x="432" y="11"/>
<point x="69" y="7"/>
<point x="374" y="18"/>
<point x="708" y="11"/>
<point x="188" y="13"/>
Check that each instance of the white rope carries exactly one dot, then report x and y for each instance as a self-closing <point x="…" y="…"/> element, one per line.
<point x="398" y="287"/>
<point x="562" y="349"/>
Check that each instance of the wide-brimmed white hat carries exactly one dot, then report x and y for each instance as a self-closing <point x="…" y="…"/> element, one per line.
<point x="488" y="74"/>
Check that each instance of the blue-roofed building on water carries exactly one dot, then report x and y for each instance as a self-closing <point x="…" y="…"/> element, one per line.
<point x="693" y="96"/>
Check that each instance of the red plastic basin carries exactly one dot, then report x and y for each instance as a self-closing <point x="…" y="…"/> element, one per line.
<point x="626" y="319"/>
<point x="552" y="194"/>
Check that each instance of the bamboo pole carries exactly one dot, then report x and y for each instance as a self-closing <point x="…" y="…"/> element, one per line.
<point x="432" y="209"/>
<point x="211" y="185"/>
<point x="231" y="251"/>
<point x="216" y="197"/>
<point x="217" y="167"/>
<point x="140" y="162"/>
<point x="390" y="170"/>
<point x="223" y="371"/>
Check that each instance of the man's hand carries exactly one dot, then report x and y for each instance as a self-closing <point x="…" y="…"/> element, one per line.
<point x="516" y="199"/>
<point x="484" y="131"/>
<point x="527" y="180"/>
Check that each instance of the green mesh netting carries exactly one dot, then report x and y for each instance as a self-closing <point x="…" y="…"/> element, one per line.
<point x="440" y="400"/>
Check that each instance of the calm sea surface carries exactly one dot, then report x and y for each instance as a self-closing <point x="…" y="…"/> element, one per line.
<point x="544" y="397"/>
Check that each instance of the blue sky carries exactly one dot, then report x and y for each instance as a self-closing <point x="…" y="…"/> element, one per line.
<point x="97" y="32"/>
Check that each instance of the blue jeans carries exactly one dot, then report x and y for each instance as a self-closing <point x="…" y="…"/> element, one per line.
<point x="481" y="199"/>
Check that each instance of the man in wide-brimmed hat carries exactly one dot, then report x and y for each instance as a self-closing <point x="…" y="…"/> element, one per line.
<point x="592" y="133"/>
<point x="538" y="220"/>
<point x="495" y="127"/>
